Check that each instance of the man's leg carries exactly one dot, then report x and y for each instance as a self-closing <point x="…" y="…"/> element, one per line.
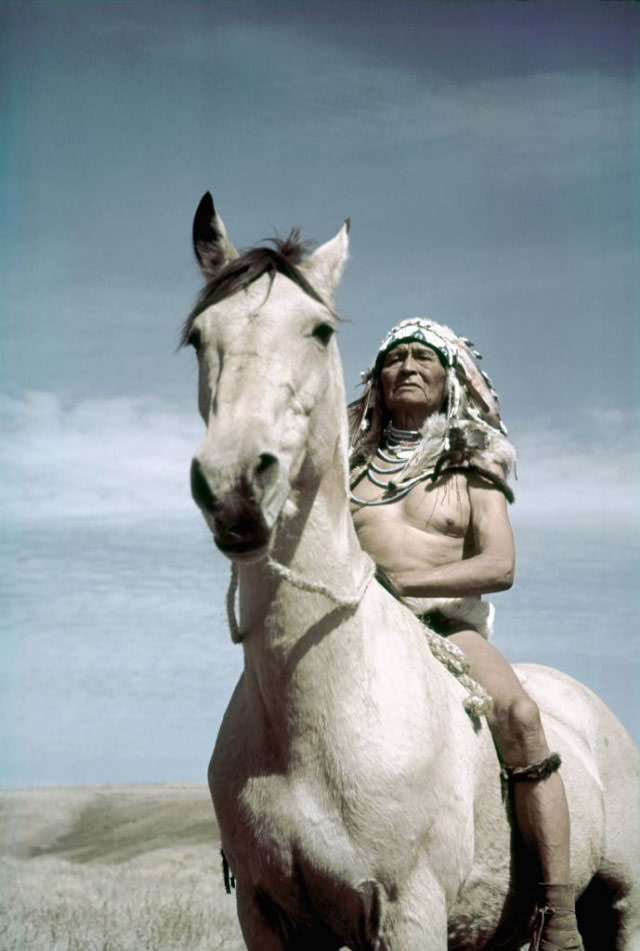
<point x="540" y="806"/>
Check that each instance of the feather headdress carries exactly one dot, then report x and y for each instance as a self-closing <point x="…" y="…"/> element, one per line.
<point x="467" y="433"/>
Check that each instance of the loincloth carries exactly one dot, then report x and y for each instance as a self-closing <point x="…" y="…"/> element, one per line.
<point x="439" y="613"/>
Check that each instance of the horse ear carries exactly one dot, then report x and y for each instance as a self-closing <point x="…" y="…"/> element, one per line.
<point x="210" y="242"/>
<point x="325" y="266"/>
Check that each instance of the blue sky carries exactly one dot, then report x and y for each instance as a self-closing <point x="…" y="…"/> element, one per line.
<point x="487" y="154"/>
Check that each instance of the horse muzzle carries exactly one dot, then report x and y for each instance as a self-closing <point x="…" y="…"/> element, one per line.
<point x="241" y="504"/>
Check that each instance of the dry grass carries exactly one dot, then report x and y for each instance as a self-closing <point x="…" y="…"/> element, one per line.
<point x="113" y="869"/>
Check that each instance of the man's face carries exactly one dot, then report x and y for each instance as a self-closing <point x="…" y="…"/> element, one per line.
<point x="413" y="380"/>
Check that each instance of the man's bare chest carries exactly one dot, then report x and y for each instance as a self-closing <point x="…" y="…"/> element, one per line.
<point x="441" y="508"/>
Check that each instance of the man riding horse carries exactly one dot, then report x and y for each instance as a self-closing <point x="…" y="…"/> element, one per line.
<point x="429" y="462"/>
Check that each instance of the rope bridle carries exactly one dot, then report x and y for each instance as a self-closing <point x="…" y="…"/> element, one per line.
<point x="345" y="600"/>
<point x="478" y="701"/>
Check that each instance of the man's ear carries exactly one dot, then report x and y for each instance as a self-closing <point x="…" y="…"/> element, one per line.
<point x="210" y="242"/>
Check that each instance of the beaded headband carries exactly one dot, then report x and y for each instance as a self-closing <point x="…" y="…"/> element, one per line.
<point x="422" y="331"/>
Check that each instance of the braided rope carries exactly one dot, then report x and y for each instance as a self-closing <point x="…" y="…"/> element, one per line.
<point x="298" y="581"/>
<point x="478" y="702"/>
<point x="316" y="587"/>
<point x="236" y="636"/>
<point x="450" y="655"/>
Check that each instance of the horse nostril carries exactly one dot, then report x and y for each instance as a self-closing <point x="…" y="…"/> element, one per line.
<point x="266" y="469"/>
<point x="202" y="494"/>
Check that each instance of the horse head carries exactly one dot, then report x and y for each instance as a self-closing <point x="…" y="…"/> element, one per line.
<point x="263" y="330"/>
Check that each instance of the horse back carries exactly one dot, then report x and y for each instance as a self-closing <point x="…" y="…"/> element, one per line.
<point x="601" y="772"/>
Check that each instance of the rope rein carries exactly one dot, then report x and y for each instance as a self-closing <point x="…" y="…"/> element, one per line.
<point x="298" y="581"/>
<point x="478" y="702"/>
<point x="232" y="590"/>
<point x="316" y="587"/>
<point x="450" y="655"/>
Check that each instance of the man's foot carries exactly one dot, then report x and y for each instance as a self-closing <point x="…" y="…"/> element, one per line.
<point x="556" y="927"/>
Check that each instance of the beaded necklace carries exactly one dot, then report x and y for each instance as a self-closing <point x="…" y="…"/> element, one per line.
<point x="398" y="447"/>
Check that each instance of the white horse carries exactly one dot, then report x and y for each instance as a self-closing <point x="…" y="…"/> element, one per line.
<point x="358" y="806"/>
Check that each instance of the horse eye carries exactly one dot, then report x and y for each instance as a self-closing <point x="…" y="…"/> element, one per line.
<point x="323" y="333"/>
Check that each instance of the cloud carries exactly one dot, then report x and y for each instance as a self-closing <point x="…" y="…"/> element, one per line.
<point x="497" y="203"/>
<point x="590" y="470"/>
<point x="99" y="458"/>
<point x="129" y="457"/>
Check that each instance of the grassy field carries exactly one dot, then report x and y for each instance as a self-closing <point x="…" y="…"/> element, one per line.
<point x="113" y="868"/>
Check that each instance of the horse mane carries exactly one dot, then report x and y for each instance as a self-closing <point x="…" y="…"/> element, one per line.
<point x="284" y="257"/>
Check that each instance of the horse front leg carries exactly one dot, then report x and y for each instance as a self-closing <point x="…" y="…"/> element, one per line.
<point x="266" y="927"/>
<point x="261" y="931"/>
<point x="407" y="933"/>
<point x="417" y="921"/>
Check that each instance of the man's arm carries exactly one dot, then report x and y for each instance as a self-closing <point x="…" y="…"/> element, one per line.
<point x="490" y="568"/>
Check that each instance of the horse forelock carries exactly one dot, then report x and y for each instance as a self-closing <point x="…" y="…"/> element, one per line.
<point x="284" y="258"/>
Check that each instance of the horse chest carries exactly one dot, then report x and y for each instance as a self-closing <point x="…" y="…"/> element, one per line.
<point x="276" y="822"/>
<point x="332" y="803"/>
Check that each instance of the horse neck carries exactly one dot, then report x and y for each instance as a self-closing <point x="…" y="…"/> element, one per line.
<point x="318" y="546"/>
<point x="303" y="654"/>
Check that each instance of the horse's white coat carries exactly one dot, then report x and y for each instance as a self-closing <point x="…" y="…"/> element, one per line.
<point x="357" y="805"/>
